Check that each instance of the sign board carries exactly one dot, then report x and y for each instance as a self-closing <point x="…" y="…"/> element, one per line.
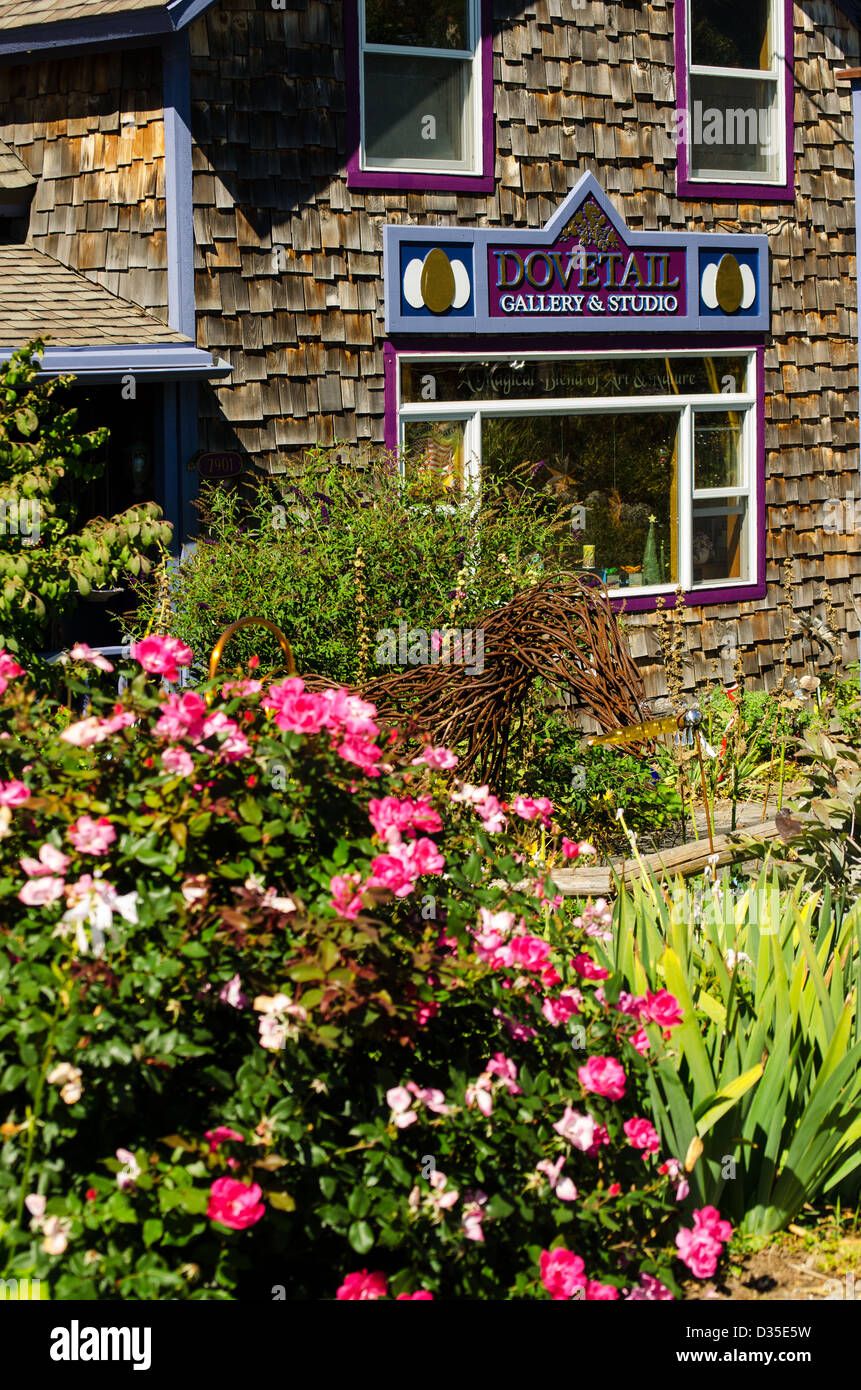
<point x="217" y="466"/>
<point x="585" y="272"/>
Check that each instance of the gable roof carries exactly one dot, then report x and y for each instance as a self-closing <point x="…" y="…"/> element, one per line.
<point x="15" y="14"/>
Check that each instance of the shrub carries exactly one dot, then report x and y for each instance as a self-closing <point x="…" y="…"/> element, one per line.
<point x="45" y="563"/>
<point x="283" y="1017"/>
<point x="339" y="555"/>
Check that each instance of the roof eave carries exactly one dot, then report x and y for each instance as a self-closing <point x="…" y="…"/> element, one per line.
<point x="102" y="29"/>
<point x="147" y="362"/>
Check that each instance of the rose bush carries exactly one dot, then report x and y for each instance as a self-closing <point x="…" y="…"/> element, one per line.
<point x="284" y="1015"/>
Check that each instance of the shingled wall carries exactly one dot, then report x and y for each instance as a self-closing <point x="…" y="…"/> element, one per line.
<point x="91" y="129"/>
<point x="593" y="90"/>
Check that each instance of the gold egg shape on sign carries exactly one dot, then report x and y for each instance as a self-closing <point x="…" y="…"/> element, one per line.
<point x="438" y="285"/>
<point x="729" y="285"/>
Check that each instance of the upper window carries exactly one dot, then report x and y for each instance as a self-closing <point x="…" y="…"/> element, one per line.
<point x="735" y="94"/>
<point x="419" y="94"/>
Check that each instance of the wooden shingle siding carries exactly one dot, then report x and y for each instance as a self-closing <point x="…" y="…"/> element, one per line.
<point x="91" y="130"/>
<point x="592" y="88"/>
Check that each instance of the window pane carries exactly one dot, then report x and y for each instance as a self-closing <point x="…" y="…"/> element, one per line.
<point x="734" y="127"/>
<point x="719" y="540"/>
<point x="418" y="23"/>
<point x="717" y="449"/>
<point x="435" y="457"/>
<point x="729" y="34"/>
<point x="618" y="474"/>
<point x="549" y="379"/>
<point x="415" y="110"/>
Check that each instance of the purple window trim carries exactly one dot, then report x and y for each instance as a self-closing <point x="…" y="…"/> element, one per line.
<point x="454" y="347"/>
<point x="686" y="187"/>
<point x="388" y="179"/>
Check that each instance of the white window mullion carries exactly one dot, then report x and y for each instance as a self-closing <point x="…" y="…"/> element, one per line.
<point x="685" y="485"/>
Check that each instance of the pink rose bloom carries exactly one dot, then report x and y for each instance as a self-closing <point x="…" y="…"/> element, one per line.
<point x="389" y="871"/>
<point x="41" y="892"/>
<point x="162" y="656"/>
<point x="14" y="793"/>
<point x="642" y="1135"/>
<point x="419" y="1295"/>
<point x="393" y="816"/>
<point x="532" y="808"/>
<point x="473" y="1215"/>
<point x="398" y="1099"/>
<point x="425" y="1012"/>
<point x="235" y="1204"/>
<point x="520" y="1032"/>
<point x="83" y="652"/>
<point x="92" y="836"/>
<point x="530" y="952"/>
<point x="481" y="1095"/>
<point x="490" y="811"/>
<point x="578" y="1129"/>
<point x="177" y="762"/>
<point x="295" y="710"/>
<point x="566" y="1191"/>
<point x="633" y="1004"/>
<point x="585" y="966"/>
<point x="601" y="1140"/>
<point x="471" y="796"/>
<point x="360" y="751"/>
<point x="9" y="669"/>
<point x="348" y="713"/>
<point x="649" y="1289"/>
<point x="440" y="758"/>
<point x="709" y="1219"/>
<point x="558" y="1011"/>
<point x="640" y="1040"/>
<point x="182" y="716"/>
<point x="596" y="1291"/>
<point x="431" y="1097"/>
<point x="562" y="1273"/>
<point x="363" y="1286"/>
<point x="219" y="1134"/>
<point x="699" y="1251"/>
<point x="425" y="857"/>
<point x="604" y="1076"/>
<point x="232" y="994"/>
<point x="663" y="1008"/>
<point x="50" y="861"/>
<point x="503" y="1067"/>
<point x="346" y="899"/>
<point x="501" y="922"/>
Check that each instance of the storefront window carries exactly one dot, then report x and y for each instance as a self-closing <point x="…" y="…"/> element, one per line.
<point x="651" y="458"/>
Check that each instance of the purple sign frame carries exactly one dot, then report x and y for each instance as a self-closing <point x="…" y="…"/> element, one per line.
<point x="619" y="281"/>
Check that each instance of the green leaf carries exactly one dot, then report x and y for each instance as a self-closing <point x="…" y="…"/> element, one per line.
<point x="361" y="1237"/>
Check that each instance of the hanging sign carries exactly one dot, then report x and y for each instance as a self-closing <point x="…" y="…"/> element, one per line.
<point x="586" y="271"/>
<point x="217" y="466"/>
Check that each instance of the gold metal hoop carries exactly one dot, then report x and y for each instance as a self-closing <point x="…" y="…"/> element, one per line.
<point x="218" y="649"/>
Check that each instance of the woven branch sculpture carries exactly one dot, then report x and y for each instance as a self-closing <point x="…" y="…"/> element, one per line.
<point x="562" y="631"/>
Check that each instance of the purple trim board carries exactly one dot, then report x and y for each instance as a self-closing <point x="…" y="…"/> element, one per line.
<point x="737" y="593"/>
<point x="388" y="179"/>
<point x="687" y="187"/>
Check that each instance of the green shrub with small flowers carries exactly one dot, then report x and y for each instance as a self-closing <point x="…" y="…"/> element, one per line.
<point x="286" y="1015"/>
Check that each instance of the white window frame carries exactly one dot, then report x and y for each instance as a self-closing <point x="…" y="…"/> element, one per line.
<point x="685" y="404"/>
<point x="774" y="74"/>
<point x="472" y="118"/>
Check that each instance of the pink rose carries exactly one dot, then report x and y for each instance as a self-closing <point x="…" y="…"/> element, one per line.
<point x="663" y="1008"/>
<point x="419" y="1295"/>
<point x="13" y="793"/>
<point x="562" y="1273"/>
<point x="393" y="816"/>
<point x="642" y="1135"/>
<point x="578" y="1129"/>
<point x="604" y="1076"/>
<point x="585" y="966"/>
<point x="182" y="716"/>
<point x="640" y="1040"/>
<point x="490" y="811"/>
<point x="390" y="871"/>
<point x="440" y="758"/>
<point x="50" y="861"/>
<point x="82" y="651"/>
<point x="9" y="669"/>
<point x="362" y="752"/>
<point x="649" y="1289"/>
<point x="709" y="1219"/>
<point x="177" y="762"/>
<point x="92" y="836"/>
<point x="235" y="1204"/>
<point x="363" y="1286"/>
<point x="699" y="1251"/>
<point x="596" y="1291"/>
<point x="219" y="1134"/>
<point x="558" y="1011"/>
<point x="346" y="899"/>
<point x="41" y="892"/>
<point x="532" y="808"/>
<point x="530" y="952"/>
<point x="162" y="656"/>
